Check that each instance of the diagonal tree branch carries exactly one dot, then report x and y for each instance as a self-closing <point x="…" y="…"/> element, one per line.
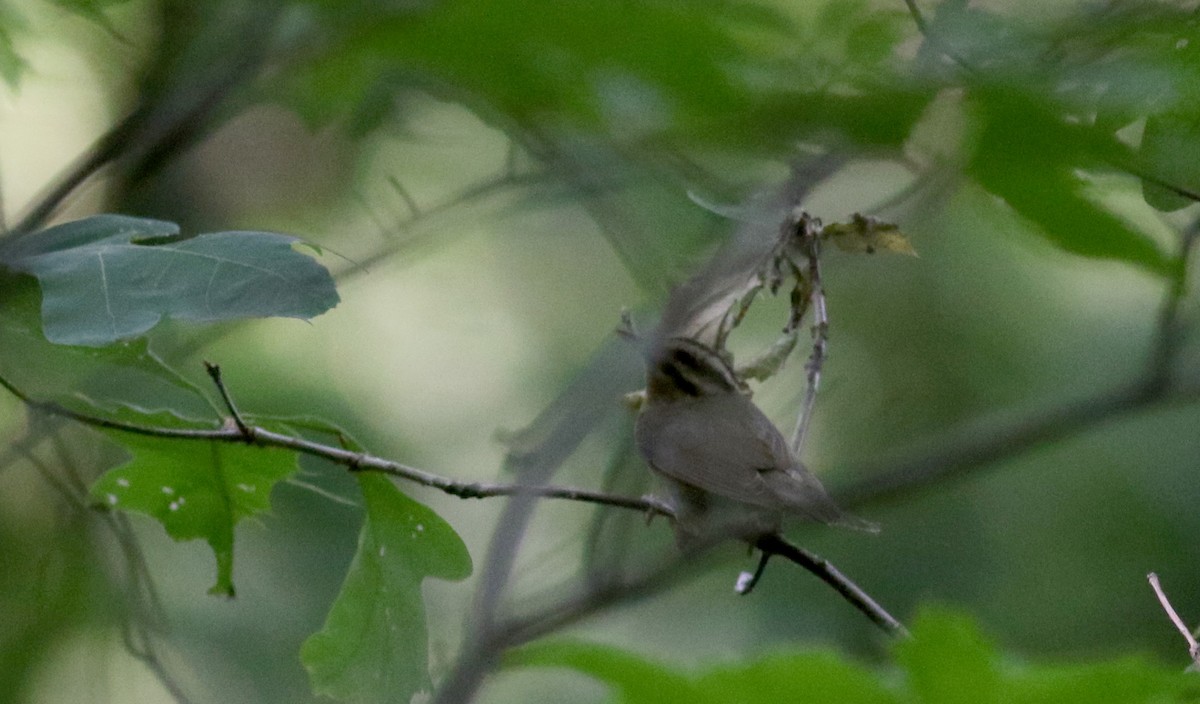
<point x="977" y="445"/>
<point x="827" y="573"/>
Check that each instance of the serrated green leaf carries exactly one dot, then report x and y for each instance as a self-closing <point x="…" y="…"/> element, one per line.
<point x="111" y="277"/>
<point x="373" y="646"/>
<point x="197" y="490"/>
<point x="109" y="381"/>
<point x="948" y="661"/>
<point x="637" y="680"/>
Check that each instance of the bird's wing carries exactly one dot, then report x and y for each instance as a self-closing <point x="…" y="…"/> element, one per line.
<point x="683" y="444"/>
<point x="735" y="453"/>
<point x="727" y="451"/>
<point x="798" y="489"/>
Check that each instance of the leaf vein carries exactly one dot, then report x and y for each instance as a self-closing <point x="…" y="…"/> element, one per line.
<point x="112" y="320"/>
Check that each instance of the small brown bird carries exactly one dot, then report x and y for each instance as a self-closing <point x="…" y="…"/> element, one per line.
<point x="731" y="470"/>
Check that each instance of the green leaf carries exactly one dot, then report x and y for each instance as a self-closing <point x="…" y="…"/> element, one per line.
<point x="948" y="661"/>
<point x="875" y="38"/>
<point x="88" y="8"/>
<point x="111" y="277"/>
<point x="373" y="646"/>
<point x="108" y="381"/>
<point x="11" y="63"/>
<point x="197" y="490"/>
<point x="94" y="11"/>
<point x="638" y="681"/>
<point x="792" y="678"/>
<point x="1124" y="681"/>
<point x="603" y="63"/>
<point x="797" y="678"/>
<point x="1031" y="159"/>
<point x="1170" y="146"/>
<point x="884" y="117"/>
<point x="978" y="36"/>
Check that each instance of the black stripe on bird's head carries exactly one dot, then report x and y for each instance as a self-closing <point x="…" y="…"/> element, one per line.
<point x="684" y="368"/>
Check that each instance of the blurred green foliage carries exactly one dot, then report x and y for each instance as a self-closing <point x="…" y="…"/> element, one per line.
<point x="529" y="164"/>
<point x="948" y="661"/>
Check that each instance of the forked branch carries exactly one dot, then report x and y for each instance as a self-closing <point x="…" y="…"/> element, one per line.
<point x="238" y="430"/>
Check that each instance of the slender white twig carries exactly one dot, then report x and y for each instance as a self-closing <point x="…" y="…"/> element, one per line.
<point x="1193" y="646"/>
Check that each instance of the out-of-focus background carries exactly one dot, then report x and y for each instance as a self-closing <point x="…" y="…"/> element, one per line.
<point x="494" y="182"/>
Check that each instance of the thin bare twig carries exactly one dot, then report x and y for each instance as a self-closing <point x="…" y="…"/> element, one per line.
<point x="391" y="247"/>
<point x="1193" y="646"/>
<point x="414" y="210"/>
<point x="107" y="149"/>
<point x="356" y="461"/>
<point x="1169" y="328"/>
<point x="815" y="290"/>
<point x="214" y="373"/>
<point x="142" y="125"/>
<point x="475" y="193"/>
<point x="140" y="580"/>
<point x="164" y="122"/>
<point x="826" y="572"/>
<point x="918" y="18"/>
<point x="140" y="616"/>
<point x="667" y="572"/>
<point x="980" y="444"/>
<point x="660" y="575"/>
